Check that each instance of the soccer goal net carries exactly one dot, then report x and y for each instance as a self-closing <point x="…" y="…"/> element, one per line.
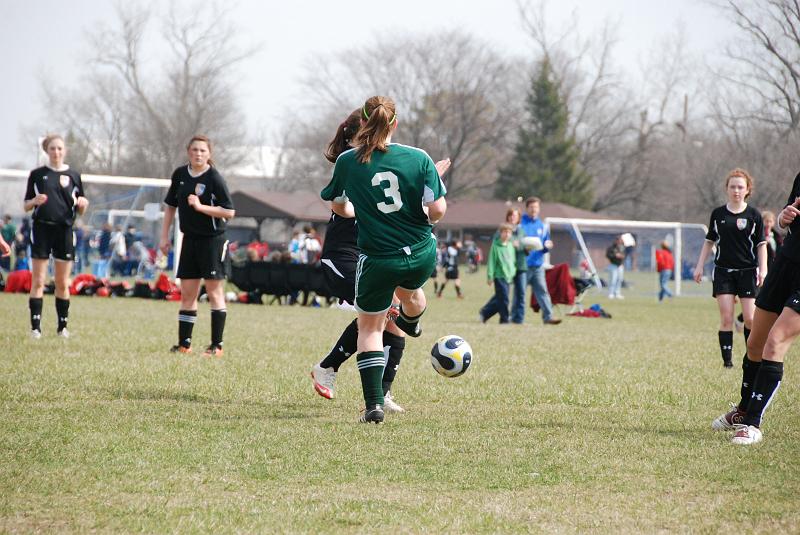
<point x="118" y="203"/>
<point x="641" y="239"/>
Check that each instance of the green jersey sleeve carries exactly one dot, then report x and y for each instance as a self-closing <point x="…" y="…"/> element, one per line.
<point x="434" y="187"/>
<point x="335" y="190"/>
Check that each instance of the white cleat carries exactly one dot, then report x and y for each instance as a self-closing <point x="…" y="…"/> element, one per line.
<point x="746" y="435"/>
<point x="324" y="379"/>
<point x="63" y="333"/>
<point x="36" y="334"/>
<point x="729" y="420"/>
<point x="390" y="405"/>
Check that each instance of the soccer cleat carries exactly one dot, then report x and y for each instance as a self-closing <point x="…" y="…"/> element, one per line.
<point x="372" y="415"/>
<point x="728" y="363"/>
<point x="746" y="435"/>
<point x="323" y="380"/>
<point x="180" y="349"/>
<point x="213" y="350"/>
<point x="729" y="420"/>
<point x="552" y="321"/>
<point x="63" y="333"/>
<point x="390" y="405"/>
<point x="36" y="334"/>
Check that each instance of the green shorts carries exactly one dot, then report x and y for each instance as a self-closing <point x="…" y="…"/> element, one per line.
<point x="378" y="276"/>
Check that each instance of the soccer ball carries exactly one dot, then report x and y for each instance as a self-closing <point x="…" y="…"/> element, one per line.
<point x="451" y="356"/>
<point x="532" y="243"/>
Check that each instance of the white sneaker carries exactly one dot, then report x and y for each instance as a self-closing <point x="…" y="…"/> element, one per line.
<point x="729" y="420"/>
<point x="620" y="296"/>
<point x="390" y="405"/>
<point x="746" y="435"/>
<point x="323" y="380"/>
<point x="612" y="296"/>
<point x="63" y="333"/>
<point x="36" y="334"/>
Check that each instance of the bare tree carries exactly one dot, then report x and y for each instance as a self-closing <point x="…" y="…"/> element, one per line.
<point x="456" y="98"/>
<point x="763" y="75"/>
<point x="134" y="116"/>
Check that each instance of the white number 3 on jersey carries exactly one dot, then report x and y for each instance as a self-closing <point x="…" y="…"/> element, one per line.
<point x="392" y="191"/>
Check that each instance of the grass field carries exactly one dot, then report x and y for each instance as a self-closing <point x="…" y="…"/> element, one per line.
<point x="592" y="426"/>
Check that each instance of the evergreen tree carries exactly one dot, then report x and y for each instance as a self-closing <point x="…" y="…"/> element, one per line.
<point x="545" y="161"/>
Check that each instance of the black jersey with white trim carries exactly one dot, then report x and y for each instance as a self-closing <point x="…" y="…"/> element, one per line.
<point x="736" y="236"/>
<point x="62" y="189"/>
<point x="210" y="187"/>
<point x="791" y="245"/>
<point x="341" y="239"/>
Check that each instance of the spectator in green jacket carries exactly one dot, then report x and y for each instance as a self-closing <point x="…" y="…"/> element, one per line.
<point x="500" y="271"/>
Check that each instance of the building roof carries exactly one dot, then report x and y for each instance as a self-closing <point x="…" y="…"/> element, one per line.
<point x="307" y="206"/>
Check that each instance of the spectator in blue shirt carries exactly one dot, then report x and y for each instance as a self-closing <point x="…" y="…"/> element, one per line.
<point x="533" y="226"/>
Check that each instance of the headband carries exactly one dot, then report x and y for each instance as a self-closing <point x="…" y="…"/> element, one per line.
<point x="366" y="115"/>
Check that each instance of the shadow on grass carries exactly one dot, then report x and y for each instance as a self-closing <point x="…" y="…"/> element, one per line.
<point x="231" y="409"/>
<point x="696" y="434"/>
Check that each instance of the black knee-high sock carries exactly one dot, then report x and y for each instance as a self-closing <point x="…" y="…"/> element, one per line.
<point x="344" y="347"/>
<point x="726" y="345"/>
<point x="746" y="336"/>
<point x="62" y="311"/>
<point x="35" y="305"/>
<point x="218" y="326"/>
<point x="393" y="347"/>
<point x="186" y="320"/>
<point x="766" y="384"/>
<point x="749" y="372"/>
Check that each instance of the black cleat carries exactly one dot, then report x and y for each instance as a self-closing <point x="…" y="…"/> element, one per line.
<point x="373" y="415"/>
<point x="728" y="363"/>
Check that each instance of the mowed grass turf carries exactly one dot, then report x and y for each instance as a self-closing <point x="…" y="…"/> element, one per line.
<point x="594" y="425"/>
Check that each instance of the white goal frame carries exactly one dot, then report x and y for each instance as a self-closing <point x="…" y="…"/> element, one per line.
<point x="677" y="227"/>
<point x="142" y="182"/>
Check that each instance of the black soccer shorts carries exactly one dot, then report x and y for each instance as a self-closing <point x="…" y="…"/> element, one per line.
<point x="781" y="288"/>
<point x="203" y="258"/>
<point x="741" y="282"/>
<point x="52" y="238"/>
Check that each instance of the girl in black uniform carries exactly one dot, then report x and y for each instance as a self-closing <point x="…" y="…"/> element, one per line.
<point x="740" y="264"/>
<point x="55" y="194"/>
<point x="339" y="258"/>
<point x="776" y="324"/>
<point x="199" y="194"/>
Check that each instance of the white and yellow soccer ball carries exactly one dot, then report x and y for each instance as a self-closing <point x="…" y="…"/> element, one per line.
<point x="451" y="356"/>
<point x="532" y="243"/>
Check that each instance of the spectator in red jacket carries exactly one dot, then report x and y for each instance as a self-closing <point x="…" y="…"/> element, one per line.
<point x="665" y="264"/>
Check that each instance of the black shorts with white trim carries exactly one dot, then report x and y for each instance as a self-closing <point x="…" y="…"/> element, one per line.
<point x="781" y="288"/>
<point x="47" y="238"/>
<point x="203" y="258"/>
<point x="741" y="282"/>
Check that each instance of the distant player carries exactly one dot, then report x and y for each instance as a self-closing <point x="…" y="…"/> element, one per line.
<point x="450" y="267"/>
<point x="397" y="195"/>
<point x="339" y="259"/>
<point x="55" y="194"/>
<point x="200" y="196"/>
<point x="776" y="325"/>
<point x="740" y="264"/>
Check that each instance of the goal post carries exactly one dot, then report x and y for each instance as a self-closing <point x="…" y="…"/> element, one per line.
<point x="676" y="228"/>
<point x="126" y="206"/>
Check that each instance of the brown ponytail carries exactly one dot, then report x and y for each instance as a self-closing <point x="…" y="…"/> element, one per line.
<point x="344" y="136"/>
<point x="378" y="116"/>
<point x="204" y="139"/>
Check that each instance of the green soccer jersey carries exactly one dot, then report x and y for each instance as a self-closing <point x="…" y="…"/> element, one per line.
<point x="388" y="194"/>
